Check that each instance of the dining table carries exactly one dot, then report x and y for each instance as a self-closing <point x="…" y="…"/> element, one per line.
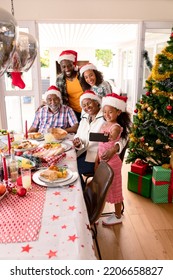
<point x="50" y="222"/>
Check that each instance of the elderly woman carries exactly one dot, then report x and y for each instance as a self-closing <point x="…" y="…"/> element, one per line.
<point x="54" y="114"/>
<point x="91" y="121"/>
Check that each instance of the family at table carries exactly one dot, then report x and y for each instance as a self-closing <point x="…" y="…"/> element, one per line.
<point x="52" y="214"/>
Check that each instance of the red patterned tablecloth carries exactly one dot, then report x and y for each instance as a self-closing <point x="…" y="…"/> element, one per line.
<point x="20" y="217"/>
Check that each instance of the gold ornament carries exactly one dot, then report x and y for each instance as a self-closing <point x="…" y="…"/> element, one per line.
<point x="150" y="149"/>
<point x="155" y="112"/>
<point x="166" y="147"/>
<point x="149" y="109"/>
<point x="171" y="97"/>
<point x="158" y="141"/>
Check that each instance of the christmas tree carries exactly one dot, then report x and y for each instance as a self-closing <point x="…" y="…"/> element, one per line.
<point x="151" y="137"/>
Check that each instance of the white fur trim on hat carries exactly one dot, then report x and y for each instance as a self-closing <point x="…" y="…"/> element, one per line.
<point x="90" y="95"/>
<point x="53" y="90"/>
<point x="115" y="100"/>
<point x="68" y="55"/>
<point x="88" y="66"/>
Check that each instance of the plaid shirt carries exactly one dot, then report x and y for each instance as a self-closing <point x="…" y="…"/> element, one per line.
<point x="63" y="118"/>
<point x="61" y="84"/>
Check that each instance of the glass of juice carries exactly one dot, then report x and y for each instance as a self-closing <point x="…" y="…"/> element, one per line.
<point x="26" y="178"/>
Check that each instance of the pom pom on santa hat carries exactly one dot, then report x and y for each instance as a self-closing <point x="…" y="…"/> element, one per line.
<point x="68" y="55"/>
<point x="89" y="94"/>
<point x="88" y="66"/>
<point x="115" y="100"/>
<point x="53" y="90"/>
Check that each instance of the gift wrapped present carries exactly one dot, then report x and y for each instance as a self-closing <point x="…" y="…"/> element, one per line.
<point x="162" y="185"/>
<point x="139" y="167"/>
<point x="140" y="184"/>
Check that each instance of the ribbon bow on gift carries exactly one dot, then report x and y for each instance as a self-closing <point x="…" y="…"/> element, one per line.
<point x="140" y="162"/>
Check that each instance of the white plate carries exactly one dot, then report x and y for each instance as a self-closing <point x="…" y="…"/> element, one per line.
<point x="36" y="179"/>
<point x="66" y="146"/>
<point x="24" y="150"/>
<point x="2" y="196"/>
<point x="60" y="180"/>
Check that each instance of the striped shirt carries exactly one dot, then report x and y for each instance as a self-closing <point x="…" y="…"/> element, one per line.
<point x="63" y="118"/>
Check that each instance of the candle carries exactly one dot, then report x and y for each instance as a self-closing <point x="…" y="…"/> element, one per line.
<point x="26" y="130"/>
<point x="9" y="143"/>
<point x="4" y="168"/>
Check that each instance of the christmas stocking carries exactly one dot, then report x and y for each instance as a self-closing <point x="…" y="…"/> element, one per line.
<point x="17" y="80"/>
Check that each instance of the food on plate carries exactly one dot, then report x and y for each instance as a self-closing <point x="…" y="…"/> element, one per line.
<point x="3" y="132"/>
<point x="58" y="133"/>
<point x="2" y="189"/>
<point x="49" y="152"/>
<point x="23" y="145"/>
<point x="35" y="135"/>
<point x="53" y="173"/>
<point x="24" y="163"/>
<point x="52" y="145"/>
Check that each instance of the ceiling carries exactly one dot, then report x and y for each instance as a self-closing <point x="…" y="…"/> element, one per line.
<point x="85" y="35"/>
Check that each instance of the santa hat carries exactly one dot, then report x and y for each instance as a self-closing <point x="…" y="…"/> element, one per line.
<point x="115" y="100"/>
<point x="68" y="55"/>
<point x="88" y="66"/>
<point x="90" y="95"/>
<point x="53" y="90"/>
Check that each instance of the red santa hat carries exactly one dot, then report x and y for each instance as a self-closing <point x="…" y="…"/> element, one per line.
<point x="115" y="100"/>
<point x="88" y="66"/>
<point x="53" y="90"/>
<point x="90" y="95"/>
<point x="68" y="55"/>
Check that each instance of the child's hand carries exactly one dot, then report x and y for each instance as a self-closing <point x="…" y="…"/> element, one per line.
<point x="107" y="155"/>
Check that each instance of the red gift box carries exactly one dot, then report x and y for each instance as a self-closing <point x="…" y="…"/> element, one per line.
<point x="139" y="167"/>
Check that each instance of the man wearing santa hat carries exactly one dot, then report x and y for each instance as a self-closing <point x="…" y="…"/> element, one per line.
<point x="68" y="81"/>
<point x="54" y="114"/>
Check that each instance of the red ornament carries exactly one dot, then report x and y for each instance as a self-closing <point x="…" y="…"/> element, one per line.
<point x="136" y="110"/>
<point x="169" y="107"/>
<point x="148" y="93"/>
<point x="171" y="135"/>
<point x="171" y="35"/>
<point x="142" y="139"/>
<point x="21" y="191"/>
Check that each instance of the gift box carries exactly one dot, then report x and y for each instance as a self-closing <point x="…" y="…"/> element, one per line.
<point x="140" y="184"/>
<point x="162" y="185"/>
<point x="139" y="167"/>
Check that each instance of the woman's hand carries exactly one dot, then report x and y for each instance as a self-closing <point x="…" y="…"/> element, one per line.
<point x="77" y="142"/>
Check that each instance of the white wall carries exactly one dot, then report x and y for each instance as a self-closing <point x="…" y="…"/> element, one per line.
<point x="70" y="10"/>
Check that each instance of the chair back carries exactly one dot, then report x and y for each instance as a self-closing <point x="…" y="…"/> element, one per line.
<point x="122" y="154"/>
<point x="96" y="191"/>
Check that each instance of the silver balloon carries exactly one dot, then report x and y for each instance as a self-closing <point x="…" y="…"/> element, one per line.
<point x="8" y="36"/>
<point x="24" y="54"/>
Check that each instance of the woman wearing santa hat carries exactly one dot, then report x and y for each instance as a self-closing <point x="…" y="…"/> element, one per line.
<point x="117" y="125"/>
<point x="68" y="81"/>
<point x="91" y="121"/>
<point x="92" y="79"/>
<point x="54" y="114"/>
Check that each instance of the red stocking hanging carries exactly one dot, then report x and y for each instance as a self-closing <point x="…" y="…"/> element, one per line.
<point x="17" y="80"/>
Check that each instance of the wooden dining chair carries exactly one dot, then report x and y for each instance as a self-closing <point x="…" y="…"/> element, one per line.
<point x="90" y="175"/>
<point x="95" y="196"/>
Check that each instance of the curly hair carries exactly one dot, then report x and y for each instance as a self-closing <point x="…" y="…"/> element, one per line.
<point x="124" y="120"/>
<point x="99" y="80"/>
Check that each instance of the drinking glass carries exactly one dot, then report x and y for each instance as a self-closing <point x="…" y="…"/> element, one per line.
<point x="26" y="178"/>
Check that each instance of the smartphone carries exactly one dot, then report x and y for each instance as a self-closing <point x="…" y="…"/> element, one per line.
<point x="98" y="137"/>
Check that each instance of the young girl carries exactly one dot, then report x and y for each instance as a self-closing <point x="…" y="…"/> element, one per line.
<point x="117" y="125"/>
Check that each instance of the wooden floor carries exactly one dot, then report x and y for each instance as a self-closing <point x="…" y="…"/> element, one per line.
<point x="146" y="232"/>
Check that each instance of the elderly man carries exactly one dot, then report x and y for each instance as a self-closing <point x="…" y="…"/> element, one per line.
<point x="54" y="114"/>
